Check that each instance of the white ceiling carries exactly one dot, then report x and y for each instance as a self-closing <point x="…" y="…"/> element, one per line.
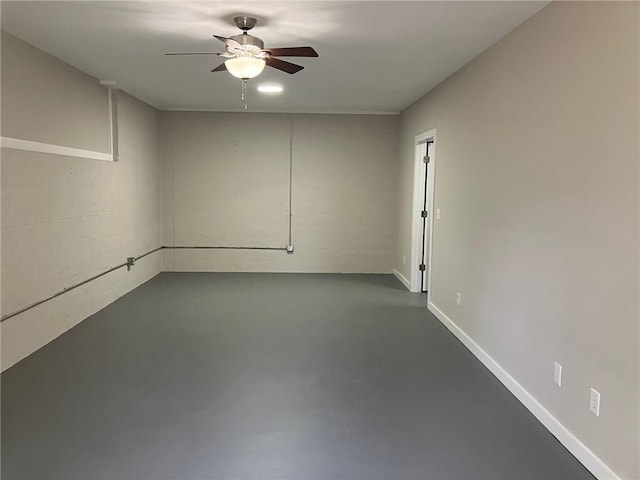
<point x="375" y="56"/>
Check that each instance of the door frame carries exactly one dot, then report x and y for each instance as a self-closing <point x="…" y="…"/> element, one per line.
<point x="420" y="169"/>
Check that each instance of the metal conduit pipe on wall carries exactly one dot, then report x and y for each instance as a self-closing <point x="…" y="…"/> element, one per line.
<point x="129" y="263"/>
<point x="196" y="247"/>
<point x="289" y="248"/>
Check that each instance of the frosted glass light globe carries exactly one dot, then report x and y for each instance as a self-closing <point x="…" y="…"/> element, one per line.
<point x="245" y="67"/>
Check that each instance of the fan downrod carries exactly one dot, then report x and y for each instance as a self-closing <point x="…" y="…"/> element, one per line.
<point x="245" y="23"/>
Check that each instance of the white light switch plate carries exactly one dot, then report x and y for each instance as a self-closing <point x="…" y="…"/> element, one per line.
<point x="594" y="402"/>
<point x="557" y="374"/>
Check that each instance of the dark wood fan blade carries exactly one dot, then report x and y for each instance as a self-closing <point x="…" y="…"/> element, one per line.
<point x="282" y="65"/>
<point x="194" y="53"/>
<point x="292" y="52"/>
<point x="220" y="68"/>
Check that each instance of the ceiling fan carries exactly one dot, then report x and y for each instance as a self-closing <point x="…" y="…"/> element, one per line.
<point x="246" y="56"/>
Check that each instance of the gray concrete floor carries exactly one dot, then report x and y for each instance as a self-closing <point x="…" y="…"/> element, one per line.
<point x="267" y="376"/>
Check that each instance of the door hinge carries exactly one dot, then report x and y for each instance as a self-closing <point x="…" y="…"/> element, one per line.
<point x="424" y="214"/>
<point x="426" y="159"/>
<point x="422" y="267"/>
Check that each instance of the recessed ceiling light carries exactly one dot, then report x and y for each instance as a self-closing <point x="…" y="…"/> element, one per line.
<point x="270" y="88"/>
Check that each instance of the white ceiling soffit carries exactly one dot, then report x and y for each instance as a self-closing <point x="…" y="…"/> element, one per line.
<point x="375" y="57"/>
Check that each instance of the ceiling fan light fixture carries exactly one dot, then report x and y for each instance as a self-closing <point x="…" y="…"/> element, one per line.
<point x="245" y="67"/>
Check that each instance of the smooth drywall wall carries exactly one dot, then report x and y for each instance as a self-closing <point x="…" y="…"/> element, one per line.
<point x="65" y="219"/>
<point x="226" y="183"/>
<point x="537" y="179"/>
<point x="45" y="100"/>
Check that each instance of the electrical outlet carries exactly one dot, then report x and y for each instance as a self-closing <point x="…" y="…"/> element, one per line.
<point x="437" y="214"/>
<point x="458" y="299"/>
<point x="594" y="402"/>
<point x="557" y="374"/>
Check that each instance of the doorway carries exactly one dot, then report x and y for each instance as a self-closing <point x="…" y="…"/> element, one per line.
<point x="423" y="211"/>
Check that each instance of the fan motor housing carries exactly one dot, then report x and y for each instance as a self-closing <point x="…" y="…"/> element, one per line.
<point x="244" y="22"/>
<point x="250" y="42"/>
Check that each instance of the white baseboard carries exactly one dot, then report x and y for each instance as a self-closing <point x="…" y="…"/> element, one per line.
<point x="596" y="466"/>
<point x="403" y="279"/>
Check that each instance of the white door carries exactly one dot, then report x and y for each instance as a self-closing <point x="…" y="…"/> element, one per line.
<point x="427" y="154"/>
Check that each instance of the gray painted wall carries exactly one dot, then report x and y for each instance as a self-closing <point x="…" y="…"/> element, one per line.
<point x="65" y="219"/>
<point x="227" y="178"/>
<point x="537" y="182"/>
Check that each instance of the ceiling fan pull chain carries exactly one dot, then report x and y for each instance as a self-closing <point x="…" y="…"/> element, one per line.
<point x="244" y="92"/>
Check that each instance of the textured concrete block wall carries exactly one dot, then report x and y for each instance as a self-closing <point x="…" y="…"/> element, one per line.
<point x="65" y="219"/>
<point x="226" y="180"/>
